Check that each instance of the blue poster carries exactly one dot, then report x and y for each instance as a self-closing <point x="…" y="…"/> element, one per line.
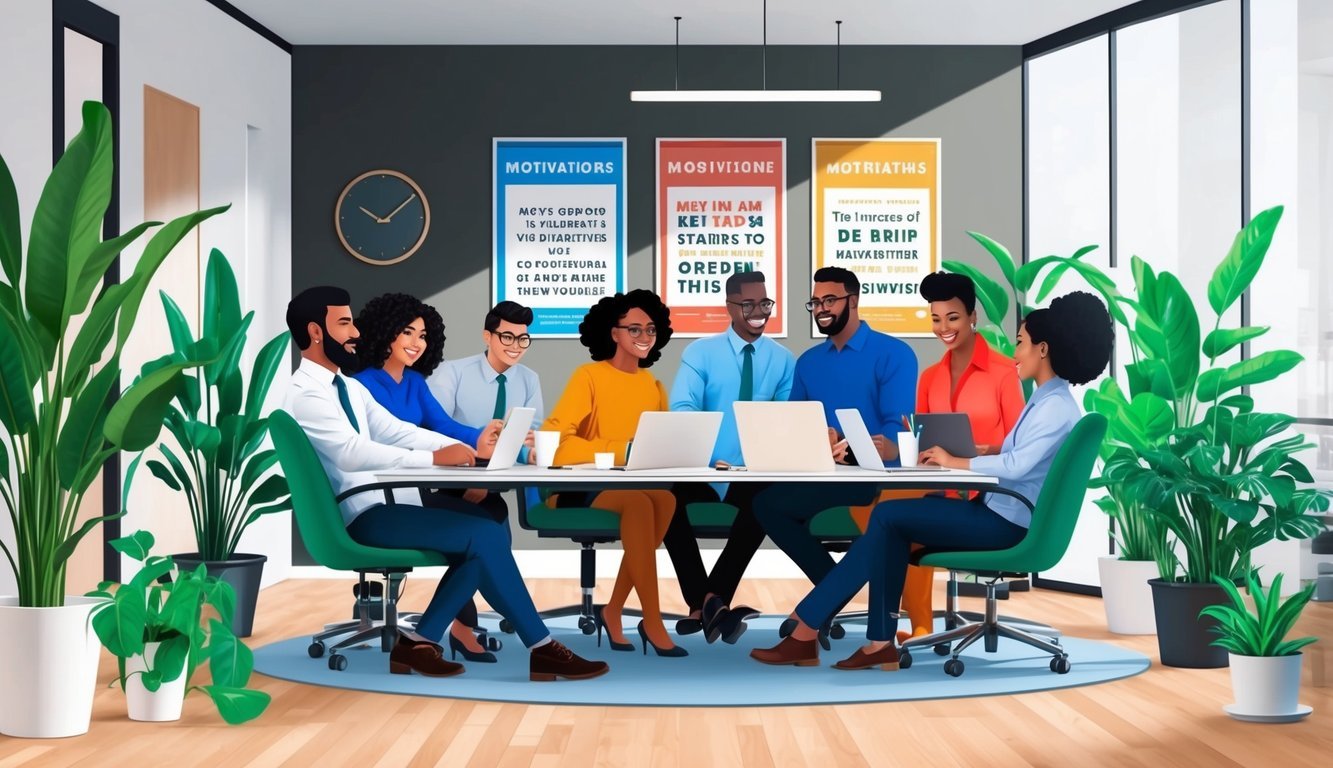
<point x="559" y="240"/>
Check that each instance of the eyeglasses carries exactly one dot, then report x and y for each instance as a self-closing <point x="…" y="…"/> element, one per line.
<point x="828" y="302"/>
<point x="508" y="339"/>
<point x="635" y="331"/>
<point x="747" y="307"/>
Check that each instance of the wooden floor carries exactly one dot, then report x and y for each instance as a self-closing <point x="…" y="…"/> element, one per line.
<point x="1164" y="717"/>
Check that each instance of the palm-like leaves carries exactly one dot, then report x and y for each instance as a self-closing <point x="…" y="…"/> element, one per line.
<point x="1263" y="632"/>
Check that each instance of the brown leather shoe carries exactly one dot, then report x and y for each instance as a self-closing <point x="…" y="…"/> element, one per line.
<point x="800" y="653"/>
<point x="424" y="658"/>
<point x="885" y="658"/>
<point x="552" y="661"/>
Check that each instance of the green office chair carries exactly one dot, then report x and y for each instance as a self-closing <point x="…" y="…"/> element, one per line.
<point x="588" y="526"/>
<point x="1053" y="519"/>
<point x="321" y="525"/>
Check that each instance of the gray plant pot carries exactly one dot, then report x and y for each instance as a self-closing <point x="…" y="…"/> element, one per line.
<point x="1184" y="638"/>
<point x="243" y="573"/>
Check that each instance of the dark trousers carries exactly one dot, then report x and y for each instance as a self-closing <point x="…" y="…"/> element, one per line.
<point x="785" y="510"/>
<point x="477" y="548"/>
<point x="742" y="542"/>
<point x="492" y="507"/>
<point x="880" y="555"/>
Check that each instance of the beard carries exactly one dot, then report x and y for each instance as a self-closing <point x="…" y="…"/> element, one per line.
<point x="839" y="321"/>
<point x="339" y="355"/>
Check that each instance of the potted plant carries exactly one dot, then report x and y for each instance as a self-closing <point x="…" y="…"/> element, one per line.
<point x="1265" y="666"/>
<point x="156" y="632"/>
<point x="55" y="385"/>
<point x="217" y="421"/>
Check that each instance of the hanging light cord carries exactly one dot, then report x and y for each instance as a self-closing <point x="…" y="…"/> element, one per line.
<point x="763" y="56"/>
<point x="678" y="53"/>
<point x="838" y="80"/>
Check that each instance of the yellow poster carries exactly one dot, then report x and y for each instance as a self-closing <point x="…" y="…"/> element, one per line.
<point x="875" y="209"/>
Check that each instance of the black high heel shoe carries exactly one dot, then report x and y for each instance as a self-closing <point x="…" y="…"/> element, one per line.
<point x="675" y="651"/>
<point x="456" y="647"/>
<point x="600" y="621"/>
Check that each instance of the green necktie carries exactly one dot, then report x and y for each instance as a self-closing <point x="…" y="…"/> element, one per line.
<point x="499" y="397"/>
<point x="747" y="373"/>
<point x="347" y="403"/>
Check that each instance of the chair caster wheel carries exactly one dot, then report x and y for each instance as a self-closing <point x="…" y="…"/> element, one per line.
<point x="507" y="626"/>
<point x="952" y="667"/>
<point x="942" y="649"/>
<point x="587" y="625"/>
<point x="337" y="662"/>
<point x="1060" y="665"/>
<point x="490" y="642"/>
<point x="904" y="660"/>
<point x="837" y="632"/>
<point x="316" y="649"/>
<point x="786" y="627"/>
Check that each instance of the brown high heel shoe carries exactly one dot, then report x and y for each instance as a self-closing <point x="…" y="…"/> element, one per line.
<point x="885" y="658"/>
<point x="424" y="658"/>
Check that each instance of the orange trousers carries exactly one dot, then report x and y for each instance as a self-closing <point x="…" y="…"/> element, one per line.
<point x="918" y="589"/>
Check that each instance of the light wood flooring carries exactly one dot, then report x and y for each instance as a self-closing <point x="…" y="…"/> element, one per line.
<point x="1164" y="717"/>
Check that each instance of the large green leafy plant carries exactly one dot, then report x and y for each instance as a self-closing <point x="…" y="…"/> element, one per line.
<point x="171" y="614"/>
<point x="1262" y="632"/>
<point x="56" y="382"/>
<point x="217" y="421"/>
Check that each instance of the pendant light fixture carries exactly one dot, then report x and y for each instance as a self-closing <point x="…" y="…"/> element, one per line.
<point x="763" y="94"/>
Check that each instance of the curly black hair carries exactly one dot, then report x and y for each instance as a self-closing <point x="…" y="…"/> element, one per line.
<point x="1078" y="332"/>
<point x="384" y="317"/>
<point x="942" y="286"/>
<point x="595" y="330"/>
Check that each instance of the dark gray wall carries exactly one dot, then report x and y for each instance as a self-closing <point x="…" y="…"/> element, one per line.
<point x="432" y="112"/>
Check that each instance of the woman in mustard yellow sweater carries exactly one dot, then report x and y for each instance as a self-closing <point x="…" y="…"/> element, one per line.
<point x="598" y="413"/>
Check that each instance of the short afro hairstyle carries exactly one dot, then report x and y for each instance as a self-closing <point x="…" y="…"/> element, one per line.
<point x="1078" y="332"/>
<point x="312" y="306"/>
<point x="595" y="330"/>
<point x="508" y="311"/>
<point x="738" y="279"/>
<point x="942" y="286"/>
<point x="850" y="282"/>
<point x="384" y="317"/>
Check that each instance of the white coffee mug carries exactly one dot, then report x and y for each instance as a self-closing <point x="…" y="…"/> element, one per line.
<point x="604" y="460"/>
<point x="544" y="446"/>
<point x="908" y="448"/>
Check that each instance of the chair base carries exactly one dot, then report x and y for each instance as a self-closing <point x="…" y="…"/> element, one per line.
<point x="366" y="629"/>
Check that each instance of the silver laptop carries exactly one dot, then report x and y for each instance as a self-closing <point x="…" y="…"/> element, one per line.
<point x="863" y="447"/>
<point x="950" y="431"/>
<point x="784" y="437"/>
<point x="674" y="440"/>
<point x="511" y="440"/>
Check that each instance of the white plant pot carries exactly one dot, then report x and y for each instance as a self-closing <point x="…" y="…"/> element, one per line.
<point x="1266" y="685"/>
<point x="48" y="665"/>
<point x="1126" y="595"/>
<point x="158" y="706"/>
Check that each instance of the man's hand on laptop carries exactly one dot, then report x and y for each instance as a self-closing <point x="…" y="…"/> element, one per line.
<point x="488" y="437"/>
<point x="838" y="446"/>
<point x="456" y="455"/>
<point x="531" y="440"/>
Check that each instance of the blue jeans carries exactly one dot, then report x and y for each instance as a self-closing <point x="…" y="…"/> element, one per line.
<point x="880" y="556"/>
<point x="784" y="511"/>
<point x="477" y="547"/>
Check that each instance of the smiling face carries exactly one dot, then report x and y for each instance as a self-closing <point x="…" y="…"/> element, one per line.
<point x="338" y="336"/>
<point x="951" y="323"/>
<point x="831" y="320"/>
<point x="410" y="343"/>
<point x="639" y="346"/>
<point x="1029" y="358"/>
<point x="749" y="326"/>
<point x="503" y="356"/>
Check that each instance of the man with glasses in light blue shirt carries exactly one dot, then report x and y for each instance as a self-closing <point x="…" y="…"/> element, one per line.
<point x="737" y="364"/>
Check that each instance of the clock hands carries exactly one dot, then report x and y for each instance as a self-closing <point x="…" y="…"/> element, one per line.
<point x="377" y="219"/>
<point x="386" y="219"/>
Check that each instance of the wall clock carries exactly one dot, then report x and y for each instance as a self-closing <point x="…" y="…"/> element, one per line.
<point x="382" y="217"/>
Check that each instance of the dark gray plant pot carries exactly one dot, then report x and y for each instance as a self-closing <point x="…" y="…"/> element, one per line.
<point x="243" y="573"/>
<point x="1184" y="639"/>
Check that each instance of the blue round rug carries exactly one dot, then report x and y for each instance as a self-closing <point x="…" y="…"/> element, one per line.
<point x="717" y="675"/>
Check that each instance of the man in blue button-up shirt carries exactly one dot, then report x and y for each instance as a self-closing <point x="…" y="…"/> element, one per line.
<point x="856" y="367"/>
<point x="738" y="364"/>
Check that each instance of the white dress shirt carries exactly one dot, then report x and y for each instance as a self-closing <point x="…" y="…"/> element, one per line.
<point x="351" y="458"/>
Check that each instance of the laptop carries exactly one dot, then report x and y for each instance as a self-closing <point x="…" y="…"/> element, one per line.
<point x="513" y="434"/>
<point x="674" y="440"/>
<point x="863" y="447"/>
<point x="784" y="437"/>
<point x="950" y="431"/>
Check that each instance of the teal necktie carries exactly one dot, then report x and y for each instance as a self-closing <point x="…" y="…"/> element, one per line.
<point x="499" y="397"/>
<point x="747" y="373"/>
<point x="346" y="401"/>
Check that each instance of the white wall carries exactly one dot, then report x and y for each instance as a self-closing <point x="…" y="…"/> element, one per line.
<point x="242" y="86"/>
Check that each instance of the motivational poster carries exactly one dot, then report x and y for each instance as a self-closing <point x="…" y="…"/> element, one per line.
<point x="721" y="209"/>
<point x="559" y="227"/>
<point x="875" y="210"/>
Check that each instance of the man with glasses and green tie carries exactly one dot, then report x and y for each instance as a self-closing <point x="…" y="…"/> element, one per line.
<point x="738" y="364"/>
<point x="856" y="367"/>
